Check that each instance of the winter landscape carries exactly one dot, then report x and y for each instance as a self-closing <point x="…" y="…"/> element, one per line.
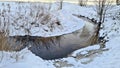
<point x="60" y="34"/>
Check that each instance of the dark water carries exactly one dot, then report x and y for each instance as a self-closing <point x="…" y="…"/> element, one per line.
<point x="51" y="47"/>
<point x="52" y="52"/>
<point x="47" y="48"/>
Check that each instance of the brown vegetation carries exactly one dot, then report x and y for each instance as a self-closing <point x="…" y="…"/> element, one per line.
<point x="9" y="44"/>
<point x="3" y="42"/>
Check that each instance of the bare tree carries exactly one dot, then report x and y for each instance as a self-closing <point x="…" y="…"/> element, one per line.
<point x="60" y="3"/>
<point x="101" y="9"/>
<point x="118" y="2"/>
<point x="82" y="2"/>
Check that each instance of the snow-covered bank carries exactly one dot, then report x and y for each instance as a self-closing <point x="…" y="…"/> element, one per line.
<point x="91" y="56"/>
<point x="36" y="19"/>
<point x="104" y="59"/>
<point x="23" y="59"/>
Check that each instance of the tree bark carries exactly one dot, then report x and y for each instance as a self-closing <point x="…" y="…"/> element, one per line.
<point x="118" y="2"/>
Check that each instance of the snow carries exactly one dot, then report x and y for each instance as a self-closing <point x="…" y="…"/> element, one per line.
<point x="108" y="59"/>
<point x="66" y="19"/>
<point x="83" y="50"/>
<point x="21" y="14"/>
<point x="91" y="56"/>
<point x="111" y="58"/>
<point x="25" y="59"/>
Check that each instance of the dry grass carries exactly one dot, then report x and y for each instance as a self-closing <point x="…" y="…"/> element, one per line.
<point x="94" y="39"/>
<point x="8" y="45"/>
<point x="3" y="42"/>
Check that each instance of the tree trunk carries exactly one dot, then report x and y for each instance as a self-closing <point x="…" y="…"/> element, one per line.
<point x="118" y="2"/>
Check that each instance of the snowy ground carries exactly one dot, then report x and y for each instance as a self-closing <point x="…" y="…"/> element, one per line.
<point x="91" y="56"/>
<point x="27" y="16"/>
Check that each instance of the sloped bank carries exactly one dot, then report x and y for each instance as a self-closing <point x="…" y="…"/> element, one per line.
<point x="54" y="47"/>
<point x="57" y="46"/>
<point x="48" y="34"/>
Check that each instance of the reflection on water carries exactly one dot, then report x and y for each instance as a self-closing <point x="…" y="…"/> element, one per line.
<point x="51" y="47"/>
